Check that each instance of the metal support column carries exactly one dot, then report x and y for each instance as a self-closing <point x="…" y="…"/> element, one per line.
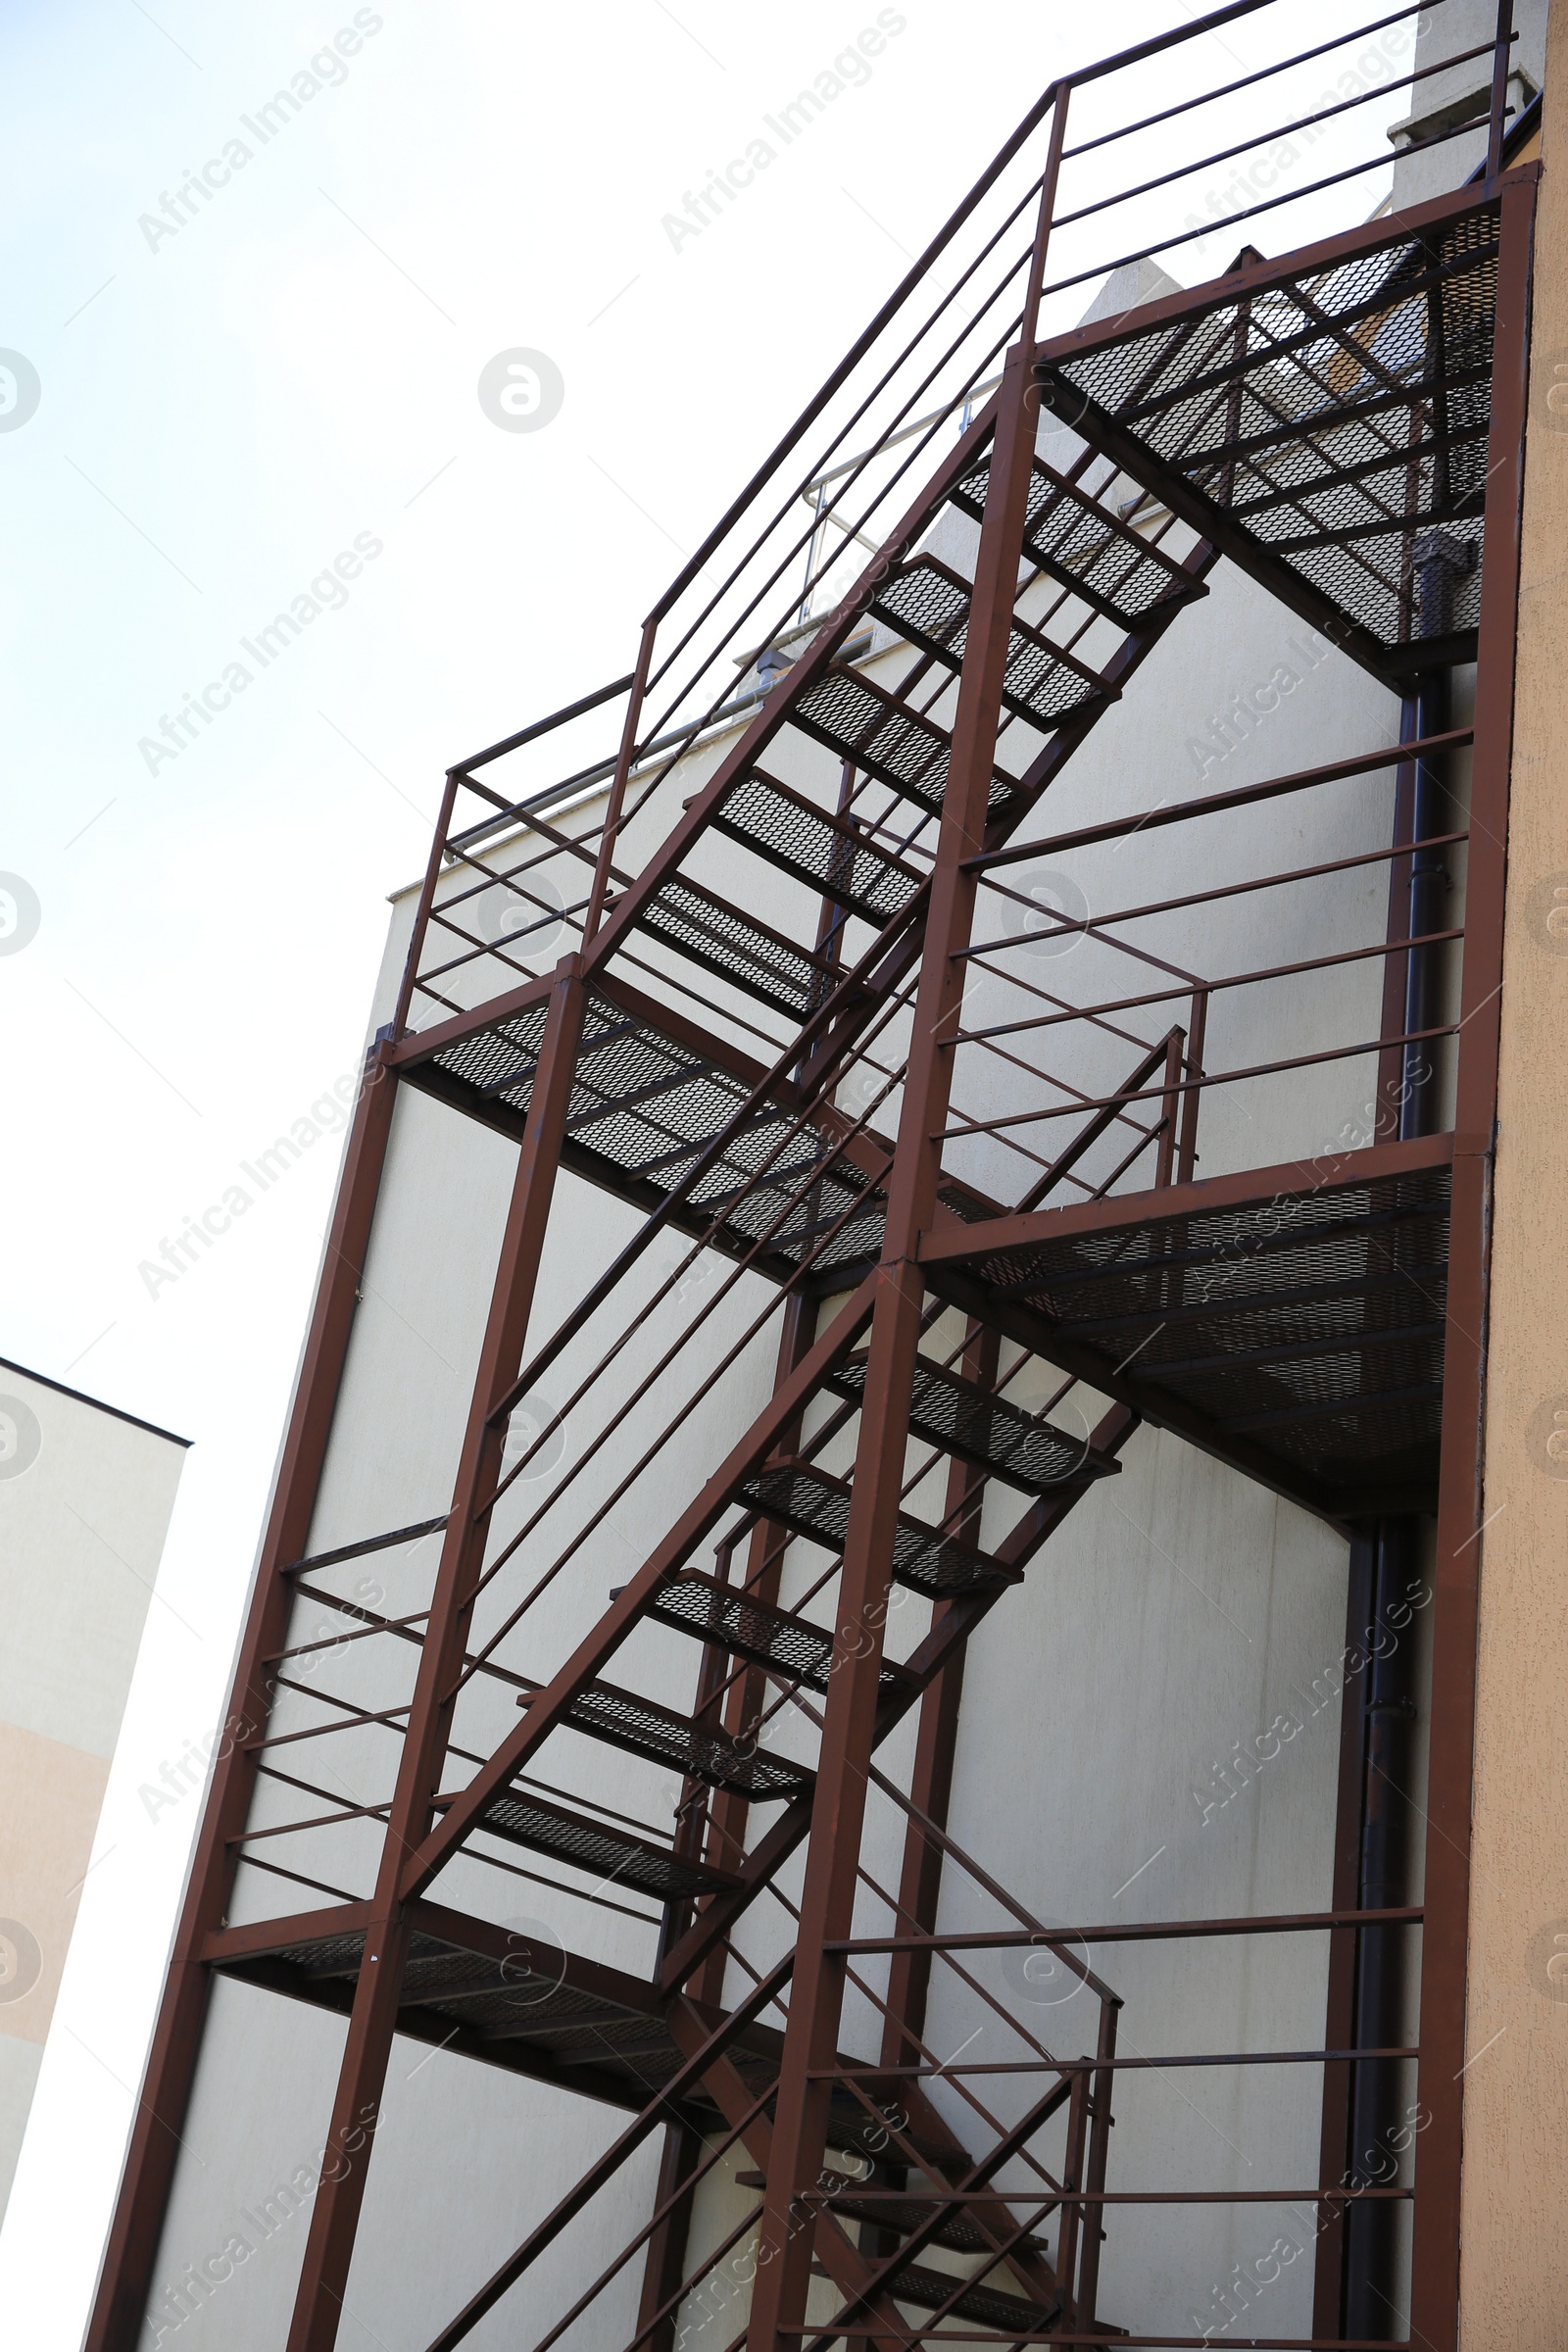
<point x="124" y="2280"/>
<point x="935" y="1742"/>
<point x="827" y="1899"/>
<point x="1435" y="2289"/>
<point x="355" y="2108"/>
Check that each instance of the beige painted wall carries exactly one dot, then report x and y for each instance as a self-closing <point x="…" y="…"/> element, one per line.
<point x="85" y="1497"/>
<point x="1514" y="2250"/>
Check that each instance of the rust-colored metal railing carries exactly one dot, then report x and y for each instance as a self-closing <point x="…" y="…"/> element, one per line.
<point x="911" y="1204"/>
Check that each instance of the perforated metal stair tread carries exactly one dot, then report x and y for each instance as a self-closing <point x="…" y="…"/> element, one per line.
<point x="600" y="1848"/>
<point x="626" y="1720"/>
<point x="815" y="1506"/>
<point x="901" y="747"/>
<point x="986" y="1430"/>
<point x="752" y="1628"/>
<point x="645" y="1104"/>
<point x="818" y="848"/>
<point x="738" y="946"/>
<point x="929" y="604"/>
<point x="1077" y="543"/>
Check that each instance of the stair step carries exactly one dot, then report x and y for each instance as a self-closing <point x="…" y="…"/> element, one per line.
<point x="812" y="1504"/>
<point x="898" y="746"/>
<point x="928" y="2290"/>
<point x="984" y="1429"/>
<point x="828" y="852"/>
<point x="752" y="1628"/>
<point x="929" y="603"/>
<point x="956" y="2231"/>
<point x="1079" y="544"/>
<point x="626" y="1720"/>
<point x="600" y="1848"/>
<point x="737" y="947"/>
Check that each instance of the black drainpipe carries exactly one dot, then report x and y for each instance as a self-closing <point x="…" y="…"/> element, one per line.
<point x="1388" y="1681"/>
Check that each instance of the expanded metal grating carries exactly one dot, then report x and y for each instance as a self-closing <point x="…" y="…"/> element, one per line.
<point x="646" y="1104"/>
<point x="816" y="1506"/>
<point x="737" y="947"/>
<point x="988" y="1430"/>
<point x="599" y="1848"/>
<point x="826" y="853"/>
<point x="748" y="1627"/>
<point x="898" y="745"/>
<point x="1341" y="418"/>
<point x="629" y="1720"/>
<point x="1312" y="1326"/>
<point x="1080" y="546"/>
<point x="929" y="604"/>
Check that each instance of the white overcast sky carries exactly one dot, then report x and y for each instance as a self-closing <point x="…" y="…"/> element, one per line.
<point x="222" y="410"/>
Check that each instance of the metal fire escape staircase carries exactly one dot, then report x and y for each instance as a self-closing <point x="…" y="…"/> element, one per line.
<point x="1326" y="424"/>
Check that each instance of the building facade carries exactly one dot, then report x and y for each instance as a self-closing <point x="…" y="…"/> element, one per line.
<point x="85" y="1497"/>
<point x="883" y="1616"/>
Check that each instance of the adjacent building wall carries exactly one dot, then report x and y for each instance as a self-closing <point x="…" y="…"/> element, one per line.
<point x="85" y="1497"/>
<point x="1515" y="2246"/>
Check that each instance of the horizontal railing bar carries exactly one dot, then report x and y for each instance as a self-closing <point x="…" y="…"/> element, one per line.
<point x="1097" y="2066"/>
<point x="1125" y="2197"/>
<point x="1270" y="204"/>
<point x="1187" y="1086"/>
<point x="1164" y="996"/>
<point x="1283" y="131"/>
<point x="1094" y="926"/>
<point x="995" y="1940"/>
<point x="542" y="726"/>
<point x="1157" y="43"/>
<point x="865" y="2329"/>
<point x="1228" y="90"/>
<point x="1214" y="803"/>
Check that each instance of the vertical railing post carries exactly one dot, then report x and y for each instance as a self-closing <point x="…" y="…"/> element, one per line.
<point x="600" y="885"/>
<point x="421" y="914"/>
<point x="1101" y="2121"/>
<point x="1170" y="1103"/>
<point x="1196" y="1025"/>
<point x="1075" y="2223"/>
<point x="1501" y="59"/>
